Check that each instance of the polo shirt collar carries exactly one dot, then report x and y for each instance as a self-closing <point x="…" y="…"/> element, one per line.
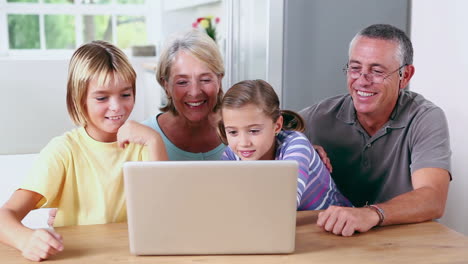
<point x="347" y="113"/>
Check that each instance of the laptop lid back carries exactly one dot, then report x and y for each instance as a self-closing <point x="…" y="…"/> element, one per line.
<point x="211" y="207"/>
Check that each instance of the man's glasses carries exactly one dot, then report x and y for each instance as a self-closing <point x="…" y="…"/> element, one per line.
<point x="373" y="76"/>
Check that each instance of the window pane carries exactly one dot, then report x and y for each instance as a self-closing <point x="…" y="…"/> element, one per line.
<point x="22" y="1"/>
<point x="96" y="1"/>
<point x="135" y="2"/>
<point x="58" y="1"/>
<point x="131" y="30"/>
<point x="23" y="31"/>
<point x="97" y="28"/>
<point x="60" y="31"/>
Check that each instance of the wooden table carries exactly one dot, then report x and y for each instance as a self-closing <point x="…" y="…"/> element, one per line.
<point x="428" y="242"/>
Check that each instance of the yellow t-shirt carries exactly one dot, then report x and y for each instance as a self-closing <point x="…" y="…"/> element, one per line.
<point x="82" y="177"/>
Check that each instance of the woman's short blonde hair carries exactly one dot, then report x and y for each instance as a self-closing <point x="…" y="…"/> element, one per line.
<point x="97" y="59"/>
<point x="198" y="44"/>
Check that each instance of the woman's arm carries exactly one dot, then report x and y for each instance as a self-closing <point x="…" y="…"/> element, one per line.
<point x="35" y="245"/>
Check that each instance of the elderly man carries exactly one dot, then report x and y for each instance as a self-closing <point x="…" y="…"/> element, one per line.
<point x="389" y="147"/>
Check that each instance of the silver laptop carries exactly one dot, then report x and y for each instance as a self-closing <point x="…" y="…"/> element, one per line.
<point x="211" y="207"/>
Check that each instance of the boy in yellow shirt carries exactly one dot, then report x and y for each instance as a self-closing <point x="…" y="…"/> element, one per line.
<point x="80" y="172"/>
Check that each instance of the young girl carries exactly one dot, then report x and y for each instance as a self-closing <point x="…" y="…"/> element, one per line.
<point x="256" y="129"/>
<point x="80" y="172"/>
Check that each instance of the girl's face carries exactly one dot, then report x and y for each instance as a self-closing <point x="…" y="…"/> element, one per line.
<point x="108" y="107"/>
<point x="250" y="133"/>
<point x="193" y="87"/>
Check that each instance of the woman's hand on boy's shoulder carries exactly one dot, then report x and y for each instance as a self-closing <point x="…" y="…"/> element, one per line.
<point x="134" y="132"/>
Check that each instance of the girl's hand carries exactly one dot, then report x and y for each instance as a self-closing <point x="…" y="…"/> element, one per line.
<point x="42" y="244"/>
<point x="324" y="157"/>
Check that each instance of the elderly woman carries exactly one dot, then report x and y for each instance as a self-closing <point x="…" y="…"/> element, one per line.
<point x="190" y="69"/>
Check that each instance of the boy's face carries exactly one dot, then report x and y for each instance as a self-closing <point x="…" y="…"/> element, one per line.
<point x="108" y="107"/>
<point x="250" y="133"/>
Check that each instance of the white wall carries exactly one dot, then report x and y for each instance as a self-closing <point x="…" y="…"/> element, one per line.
<point x="13" y="169"/>
<point x="34" y="109"/>
<point x="440" y="38"/>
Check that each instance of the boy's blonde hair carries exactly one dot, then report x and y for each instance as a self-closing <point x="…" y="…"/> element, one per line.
<point x="197" y="44"/>
<point x="97" y="59"/>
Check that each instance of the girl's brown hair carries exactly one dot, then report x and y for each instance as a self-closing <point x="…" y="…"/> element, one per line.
<point x="261" y="94"/>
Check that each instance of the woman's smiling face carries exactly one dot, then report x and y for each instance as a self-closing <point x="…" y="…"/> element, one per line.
<point x="193" y="87"/>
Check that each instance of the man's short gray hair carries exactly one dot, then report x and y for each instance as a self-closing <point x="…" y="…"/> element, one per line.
<point x="389" y="32"/>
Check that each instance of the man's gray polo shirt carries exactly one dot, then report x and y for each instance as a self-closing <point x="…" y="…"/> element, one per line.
<point x="378" y="168"/>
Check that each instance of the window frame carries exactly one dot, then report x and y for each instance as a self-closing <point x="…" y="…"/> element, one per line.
<point x="78" y="10"/>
